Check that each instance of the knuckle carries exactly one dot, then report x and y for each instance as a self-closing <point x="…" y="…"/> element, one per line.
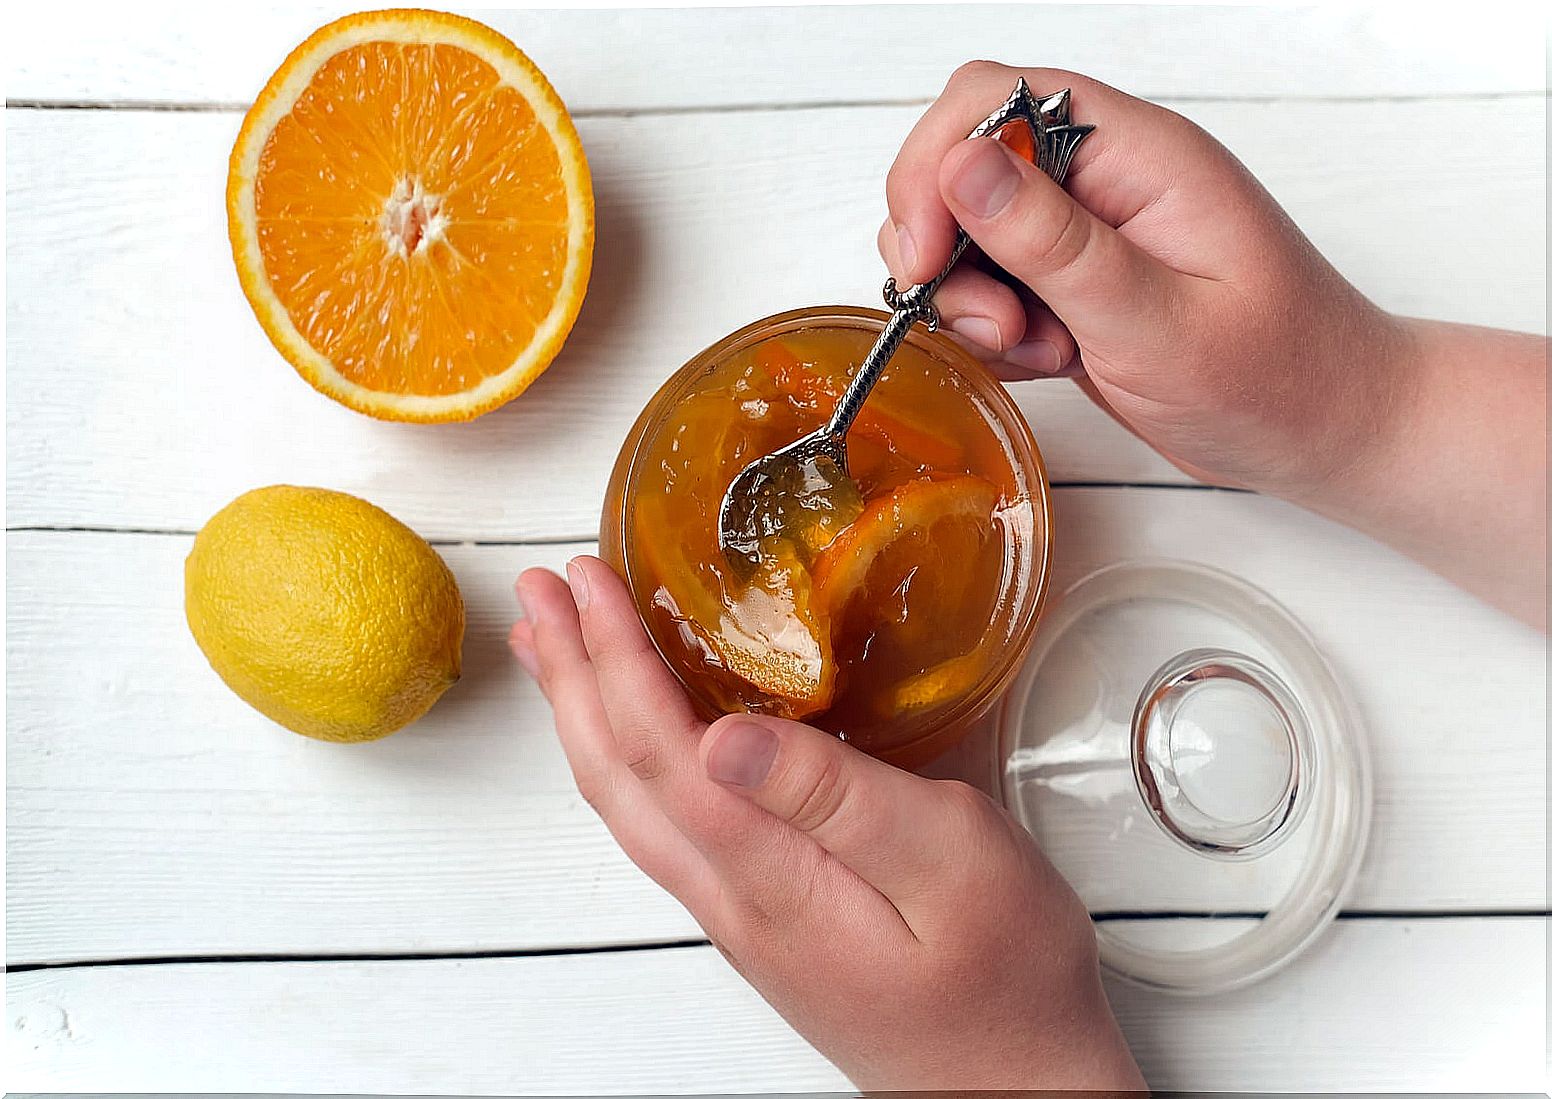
<point x="896" y="185"/>
<point x="820" y="795"/>
<point x="1063" y="243"/>
<point x="1044" y="80"/>
<point x="1180" y="127"/>
<point x="752" y="929"/>
<point x="643" y="753"/>
<point x="594" y="790"/>
<point x="548" y="678"/>
<point x="969" y="810"/>
<point x="975" y="72"/>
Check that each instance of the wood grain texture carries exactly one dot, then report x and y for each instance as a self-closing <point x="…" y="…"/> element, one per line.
<point x="1426" y="1005"/>
<point x="142" y="394"/>
<point x="151" y="812"/>
<point x="762" y="56"/>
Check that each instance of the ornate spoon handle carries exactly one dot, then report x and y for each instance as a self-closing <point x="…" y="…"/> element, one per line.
<point x="1056" y="138"/>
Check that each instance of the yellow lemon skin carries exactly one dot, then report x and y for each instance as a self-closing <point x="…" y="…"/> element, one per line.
<point x="323" y="612"/>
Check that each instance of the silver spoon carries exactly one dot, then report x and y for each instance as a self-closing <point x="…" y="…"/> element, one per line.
<point x="810" y="475"/>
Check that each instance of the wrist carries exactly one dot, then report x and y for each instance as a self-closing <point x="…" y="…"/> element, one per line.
<point x="1085" y="1051"/>
<point x="1454" y="474"/>
<point x="1367" y="422"/>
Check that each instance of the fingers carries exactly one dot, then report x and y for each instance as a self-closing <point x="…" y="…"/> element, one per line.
<point x="1047" y="350"/>
<point x="552" y="636"/>
<point x="1122" y="167"/>
<point x="655" y="728"/>
<point x="769" y="874"/>
<point x="764" y="841"/>
<point x="921" y="225"/>
<point x="1100" y="284"/>
<point x="1141" y="156"/>
<point x="565" y="673"/>
<point x="985" y="313"/>
<point x="896" y="830"/>
<point x="1012" y="333"/>
<point x="981" y="310"/>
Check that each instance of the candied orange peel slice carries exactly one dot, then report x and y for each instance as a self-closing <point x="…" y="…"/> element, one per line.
<point x="770" y="638"/>
<point x="842" y="572"/>
<point x="879" y="422"/>
<point x="776" y="641"/>
<point x="948" y="680"/>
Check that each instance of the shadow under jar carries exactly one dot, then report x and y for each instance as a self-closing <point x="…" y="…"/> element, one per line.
<point x="896" y="630"/>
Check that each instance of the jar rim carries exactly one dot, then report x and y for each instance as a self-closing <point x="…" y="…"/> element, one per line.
<point x="1030" y="600"/>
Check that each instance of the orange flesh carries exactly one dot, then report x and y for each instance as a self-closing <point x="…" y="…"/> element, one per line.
<point x="411" y="218"/>
<point x="871" y="631"/>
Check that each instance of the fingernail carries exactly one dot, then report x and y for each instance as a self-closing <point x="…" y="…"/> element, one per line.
<point x="742" y="755"/>
<point x="907" y="247"/>
<point x="979" y="330"/>
<point x="986" y="180"/>
<point x="1036" y="356"/>
<point x="524" y="653"/>
<point x="578" y="580"/>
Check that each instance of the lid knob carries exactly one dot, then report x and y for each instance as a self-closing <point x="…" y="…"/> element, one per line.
<point x="1222" y="753"/>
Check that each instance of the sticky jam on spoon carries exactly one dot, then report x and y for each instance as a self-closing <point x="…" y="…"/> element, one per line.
<point x="805" y="504"/>
<point x="870" y="604"/>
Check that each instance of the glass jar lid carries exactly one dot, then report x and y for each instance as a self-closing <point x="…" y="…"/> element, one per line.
<point x="1190" y="763"/>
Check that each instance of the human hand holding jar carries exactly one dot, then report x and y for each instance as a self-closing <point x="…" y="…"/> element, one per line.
<point x="908" y="927"/>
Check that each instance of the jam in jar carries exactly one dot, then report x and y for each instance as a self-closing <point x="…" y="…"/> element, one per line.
<point x="891" y="615"/>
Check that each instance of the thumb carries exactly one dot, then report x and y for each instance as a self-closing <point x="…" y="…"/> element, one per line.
<point x="1098" y="282"/>
<point x="891" y="827"/>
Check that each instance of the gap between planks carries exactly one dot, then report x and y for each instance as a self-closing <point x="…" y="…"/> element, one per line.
<point x="1395" y="914"/>
<point x="232" y="107"/>
<point x="567" y="539"/>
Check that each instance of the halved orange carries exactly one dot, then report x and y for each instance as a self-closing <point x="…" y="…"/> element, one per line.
<point x="411" y="214"/>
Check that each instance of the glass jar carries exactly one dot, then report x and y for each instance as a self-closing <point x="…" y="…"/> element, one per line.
<point x="1023" y="520"/>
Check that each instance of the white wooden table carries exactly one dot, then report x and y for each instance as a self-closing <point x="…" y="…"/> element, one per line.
<point x="198" y="900"/>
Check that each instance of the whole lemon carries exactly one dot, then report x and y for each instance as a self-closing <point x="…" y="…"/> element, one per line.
<point x="323" y="612"/>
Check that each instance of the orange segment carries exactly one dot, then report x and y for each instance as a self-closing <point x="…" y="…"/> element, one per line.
<point x="411" y="215"/>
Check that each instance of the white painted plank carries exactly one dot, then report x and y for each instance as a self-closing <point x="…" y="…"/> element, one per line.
<point x="717" y="57"/>
<point x="649" y="1022"/>
<point x="1376" y="1005"/>
<point x="141" y="392"/>
<point x="1426" y="1005"/>
<point x="150" y="812"/>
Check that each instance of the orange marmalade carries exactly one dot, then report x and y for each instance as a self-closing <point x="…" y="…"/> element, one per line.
<point x="892" y="621"/>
